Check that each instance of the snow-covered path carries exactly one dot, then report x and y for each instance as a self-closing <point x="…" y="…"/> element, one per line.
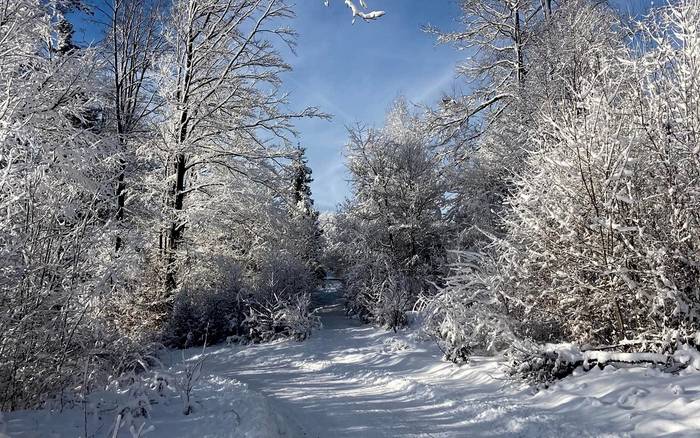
<point x="352" y="380"/>
<point x="355" y="380"/>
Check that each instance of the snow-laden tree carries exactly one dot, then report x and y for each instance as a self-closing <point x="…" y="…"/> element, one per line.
<point x="666" y="192"/>
<point x="497" y="36"/>
<point x="487" y="127"/>
<point x="242" y="267"/>
<point x="56" y="172"/>
<point x="393" y="226"/>
<point x="132" y="45"/>
<point x="519" y="57"/>
<point x="552" y="256"/>
<point x="569" y="221"/>
<point x="304" y="215"/>
<point x="601" y="243"/>
<point x="186" y="117"/>
<point x="223" y="105"/>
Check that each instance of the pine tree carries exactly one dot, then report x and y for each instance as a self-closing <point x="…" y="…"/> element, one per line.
<point x="304" y="215"/>
<point x="64" y="30"/>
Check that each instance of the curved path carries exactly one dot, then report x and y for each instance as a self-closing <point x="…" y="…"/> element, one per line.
<point x="352" y="380"/>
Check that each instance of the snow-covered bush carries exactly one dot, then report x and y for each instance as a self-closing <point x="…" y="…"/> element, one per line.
<point x="469" y="315"/>
<point x="204" y="314"/>
<point x="297" y="318"/>
<point x="258" y="297"/>
<point x="602" y="235"/>
<point x="282" y="277"/>
<point x="279" y="304"/>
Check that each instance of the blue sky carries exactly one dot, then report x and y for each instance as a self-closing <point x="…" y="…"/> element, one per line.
<point x="356" y="71"/>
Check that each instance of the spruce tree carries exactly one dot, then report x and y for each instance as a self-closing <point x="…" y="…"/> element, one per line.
<point x="305" y="215"/>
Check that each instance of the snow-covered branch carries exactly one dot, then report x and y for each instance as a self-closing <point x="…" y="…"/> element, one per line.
<point x="357" y="12"/>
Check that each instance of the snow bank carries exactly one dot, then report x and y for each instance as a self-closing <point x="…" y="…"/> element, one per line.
<point x="222" y="407"/>
<point x="571" y="354"/>
<point x="688" y="356"/>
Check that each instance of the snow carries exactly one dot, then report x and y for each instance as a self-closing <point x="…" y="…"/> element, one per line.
<point x="688" y="355"/>
<point x="571" y="353"/>
<point x="222" y="407"/>
<point x="605" y="357"/>
<point x="353" y="380"/>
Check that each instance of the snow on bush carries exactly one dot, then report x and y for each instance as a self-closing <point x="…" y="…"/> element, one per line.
<point x="602" y="235"/>
<point x="598" y="239"/>
<point x="278" y="303"/>
<point x="297" y="317"/>
<point x="389" y="237"/>
<point x="203" y="315"/>
<point x="256" y="306"/>
<point x="468" y="315"/>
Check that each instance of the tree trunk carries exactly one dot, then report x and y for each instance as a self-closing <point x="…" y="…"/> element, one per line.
<point x="519" y="58"/>
<point x="121" y="201"/>
<point x="176" y="227"/>
<point x="547" y="7"/>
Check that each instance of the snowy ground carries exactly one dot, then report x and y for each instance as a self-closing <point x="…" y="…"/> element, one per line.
<point x="351" y="380"/>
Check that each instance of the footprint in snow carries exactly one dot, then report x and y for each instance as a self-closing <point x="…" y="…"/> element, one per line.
<point x="630" y="397"/>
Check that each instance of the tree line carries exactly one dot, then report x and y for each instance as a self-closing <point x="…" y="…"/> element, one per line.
<point x="151" y="190"/>
<point x="555" y="201"/>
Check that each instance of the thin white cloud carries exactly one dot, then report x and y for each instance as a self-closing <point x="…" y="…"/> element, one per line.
<point x="433" y="90"/>
<point x="319" y="99"/>
<point x="330" y="186"/>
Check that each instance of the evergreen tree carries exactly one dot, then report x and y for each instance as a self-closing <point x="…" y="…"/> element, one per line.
<point x="301" y="183"/>
<point x="64" y="28"/>
<point x="64" y="31"/>
<point x="304" y="215"/>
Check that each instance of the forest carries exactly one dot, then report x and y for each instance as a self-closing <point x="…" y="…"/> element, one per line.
<point x="159" y="236"/>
